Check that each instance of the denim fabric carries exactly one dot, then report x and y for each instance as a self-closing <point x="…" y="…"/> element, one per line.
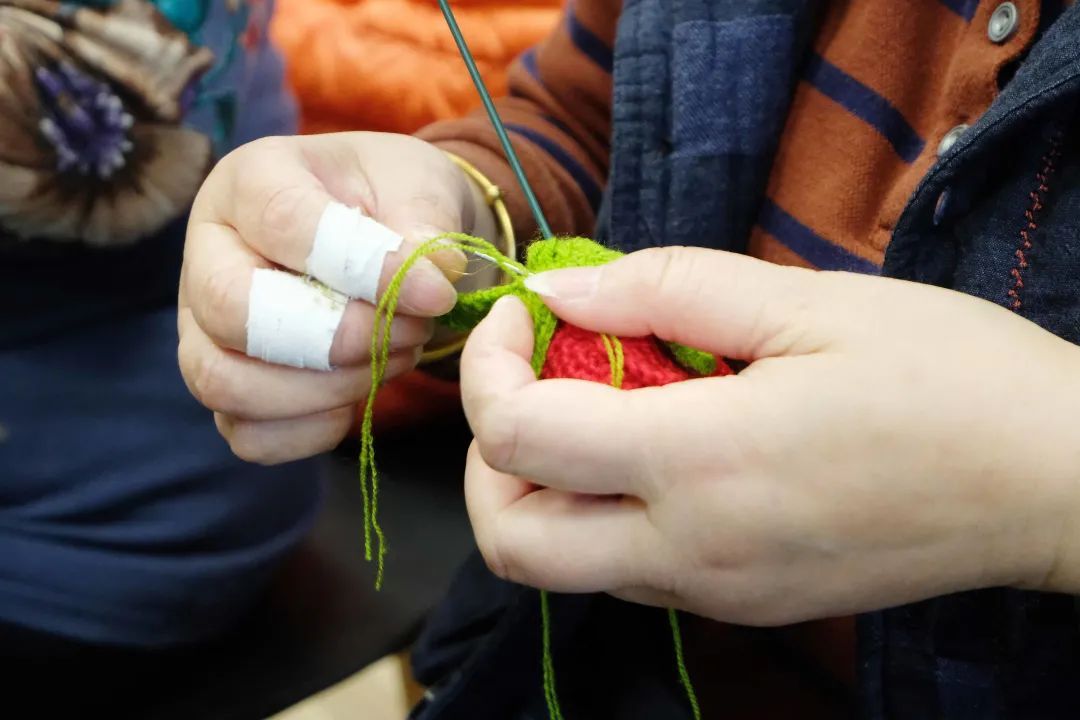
<point x="694" y="136"/>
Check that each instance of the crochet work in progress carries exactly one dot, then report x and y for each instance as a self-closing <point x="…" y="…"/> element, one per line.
<point x="560" y="350"/>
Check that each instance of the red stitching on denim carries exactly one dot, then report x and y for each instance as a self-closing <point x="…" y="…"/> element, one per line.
<point x="1031" y="215"/>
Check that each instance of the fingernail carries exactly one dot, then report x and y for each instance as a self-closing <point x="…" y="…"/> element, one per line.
<point x="426" y="291"/>
<point x="569" y="285"/>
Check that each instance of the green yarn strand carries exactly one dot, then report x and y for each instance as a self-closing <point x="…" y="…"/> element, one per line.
<point x="614" y="349"/>
<point x="374" y="538"/>
<point x="551" y="697"/>
<point x="680" y="663"/>
<point x="701" y="362"/>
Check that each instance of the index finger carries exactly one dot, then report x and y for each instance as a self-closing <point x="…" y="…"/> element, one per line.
<point x="281" y="208"/>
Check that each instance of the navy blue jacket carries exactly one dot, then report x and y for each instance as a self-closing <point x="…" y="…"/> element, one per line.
<point x="688" y="169"/>
<point x="125" y="519"/>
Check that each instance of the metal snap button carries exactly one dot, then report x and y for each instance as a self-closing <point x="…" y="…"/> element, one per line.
<point x="1003" y="22"/>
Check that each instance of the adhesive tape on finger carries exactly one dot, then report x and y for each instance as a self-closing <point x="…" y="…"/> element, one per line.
<point x="349" y="251"/>
<point x="292" y="321"/>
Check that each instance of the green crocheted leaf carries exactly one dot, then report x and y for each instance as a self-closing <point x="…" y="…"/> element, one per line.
<point x="472" y="307"/>
<point x="556" y="254"/>
<point x="699" y="361"/>
<point x="544" y="324"/>
<point x="567" y="252"/>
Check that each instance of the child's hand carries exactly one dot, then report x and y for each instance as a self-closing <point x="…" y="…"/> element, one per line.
<point x="261" y="208"/>
<point x="889" y="442"/>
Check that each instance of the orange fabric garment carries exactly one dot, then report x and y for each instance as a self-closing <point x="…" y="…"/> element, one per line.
<point x="391" y="65"/>
<point x="924" y="70"/>
<point x="884" y="84"/>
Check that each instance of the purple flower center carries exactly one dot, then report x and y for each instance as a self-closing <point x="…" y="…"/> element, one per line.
<point x="189" y="95"/>
<point x="84" y="121"/>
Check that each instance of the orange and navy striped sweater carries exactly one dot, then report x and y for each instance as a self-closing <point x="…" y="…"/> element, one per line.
<point x="887" y="86"/>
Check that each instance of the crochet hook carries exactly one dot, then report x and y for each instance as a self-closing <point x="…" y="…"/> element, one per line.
<point x="496" y="121"/>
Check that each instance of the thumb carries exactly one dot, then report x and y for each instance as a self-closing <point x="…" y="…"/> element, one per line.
<point x="720" y="302"/>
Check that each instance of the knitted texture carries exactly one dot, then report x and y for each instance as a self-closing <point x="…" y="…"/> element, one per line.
<point x="651" y="365"/>
<point x="580" y="354"/>
<point x="472" y="307"/>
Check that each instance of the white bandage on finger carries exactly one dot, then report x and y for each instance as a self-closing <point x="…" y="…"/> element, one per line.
<point x="292" y="321"/>
<point x="349" y="251"/>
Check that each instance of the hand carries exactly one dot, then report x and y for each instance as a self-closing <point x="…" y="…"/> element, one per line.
<point x="260" y="208"/>
<point x="889" y="442"/>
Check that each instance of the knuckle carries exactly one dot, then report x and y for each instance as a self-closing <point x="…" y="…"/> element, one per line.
<point x="218" y="297"/>
<point x="502" y="561"/>
<point x="210" y="383"/>
<point x="669" y="273"/>
<point x="244" y="443"/>
<point x="651" y="433"/>
<point x="493" y="558"/>
<point x="254" y="442"/>
<point x="338" y="430"/>
<point x="437" y="208"/>
<point x="267" y="187"/>
<point x="278" y="211"/>
<point x="243" y="160"/>
<point x="401" y="363"/>
<point x="186" y="359"/>
<point x="354" y="334"/>
<point x="793" y="302"/>
<point x="243" y="171"/>
<point x="498" y="436"/>
<point x="356" y="385"/>
<point x="671" y="277"/>
<point x="672" y="267"/>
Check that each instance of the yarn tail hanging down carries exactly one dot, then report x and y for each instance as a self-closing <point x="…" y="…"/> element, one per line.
<point x="560" y="350"/>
